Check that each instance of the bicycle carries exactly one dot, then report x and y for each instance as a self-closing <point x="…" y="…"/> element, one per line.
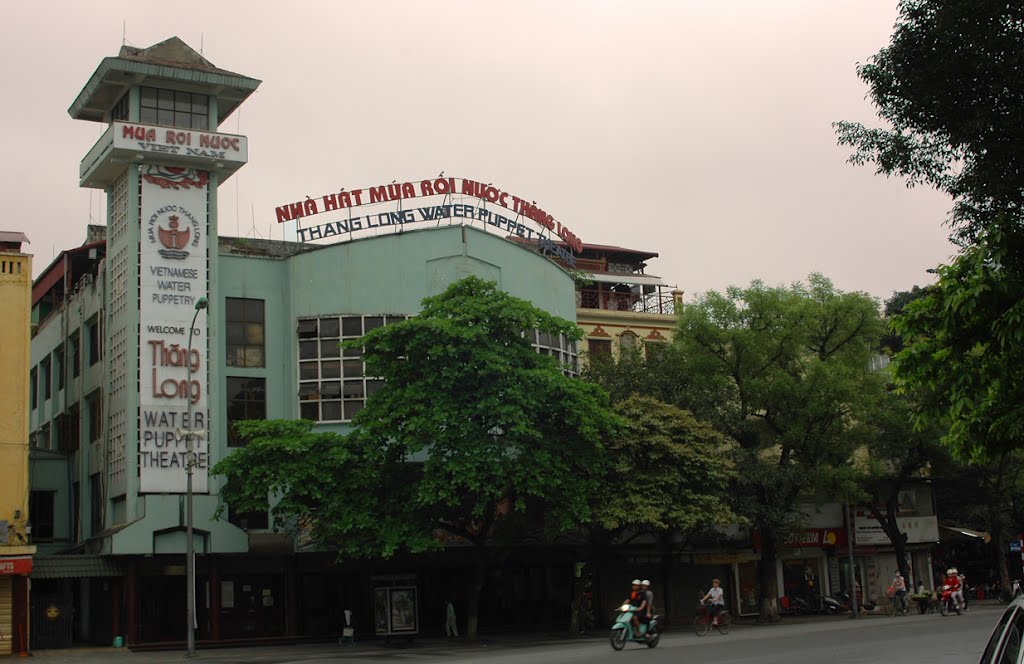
<point x="703" y="622"/>
<point x="899" y="605"/>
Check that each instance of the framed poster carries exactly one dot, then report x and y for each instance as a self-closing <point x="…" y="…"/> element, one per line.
<point x="403" y="610"/>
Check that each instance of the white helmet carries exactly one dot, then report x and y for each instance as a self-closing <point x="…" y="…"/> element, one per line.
<point x="645" y="582"/>
<point x="950" y="571"/>
<point x="635" y="582"/>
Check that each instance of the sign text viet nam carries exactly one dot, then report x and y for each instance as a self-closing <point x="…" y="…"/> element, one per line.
<point x="177" y="142"/>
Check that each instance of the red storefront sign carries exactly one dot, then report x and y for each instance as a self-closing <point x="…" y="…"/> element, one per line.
<point x="816" y="537"/>
<point x="14" y="566"/>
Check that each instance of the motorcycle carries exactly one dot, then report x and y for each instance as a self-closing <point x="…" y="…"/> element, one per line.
<point x="840" y="603"/>
<point x="948" y="604"/>
<point x="622" y="630"/>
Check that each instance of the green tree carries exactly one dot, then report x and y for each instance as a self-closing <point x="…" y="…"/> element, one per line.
<point x="668" y="471"/>
<point x="471" y="429"/>
<point x="891" y="342"/>
<point x="950" y="87"/>
<point x="986" y="494"/>
<point x="895" y="454"/>
<point x="965" y="353"/>
<point x="784" y="372"/>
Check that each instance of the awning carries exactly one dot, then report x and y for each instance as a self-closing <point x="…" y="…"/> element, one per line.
<point x="73" y="566"/>
<point x="625" y="278"/>
<point x="968" y="533"/>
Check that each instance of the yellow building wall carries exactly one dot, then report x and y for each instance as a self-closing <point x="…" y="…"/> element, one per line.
<point x="15" y="303"/>
<point x="608" y="325"/>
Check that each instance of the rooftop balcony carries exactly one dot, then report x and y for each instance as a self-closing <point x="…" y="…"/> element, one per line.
<point x="658" y="302"/>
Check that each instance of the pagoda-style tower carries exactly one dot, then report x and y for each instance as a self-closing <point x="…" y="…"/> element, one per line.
<point x="160" y="162"/>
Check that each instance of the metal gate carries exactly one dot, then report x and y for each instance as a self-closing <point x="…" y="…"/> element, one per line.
<point x="53" y="618"/>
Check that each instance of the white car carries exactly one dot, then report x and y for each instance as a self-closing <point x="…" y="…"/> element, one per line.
<point x="1004" y="646"/>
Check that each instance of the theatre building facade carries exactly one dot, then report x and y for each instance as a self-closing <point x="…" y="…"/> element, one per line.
<point x="128" y="375"/>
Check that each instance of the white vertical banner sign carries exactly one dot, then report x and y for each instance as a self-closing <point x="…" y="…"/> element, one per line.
<point x="172" y="278"/>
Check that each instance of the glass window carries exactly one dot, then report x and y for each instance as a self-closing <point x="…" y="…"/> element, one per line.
<point x="332" y="384"/>
<point x="599" y="347"/>
<point x="655" y="349"/>
<point x="95" y="504"/>
<point x="325" y="398"/>
<point x="556" y="346"/>
<point x="95" y="348"/>
<point x="74" y="348"/>
<point x="246" y="400"/>
<point x="174" y="108"/>
<point x="351" y="326"/>
<point x="58" y="366"/>
<point x="40" y="512"/>
<point x="120" y="111"/>
<point x="33" y="388"/>
<point x="245" y="332"/>
<point x="47" y="376"/>
<point x="71" y="429"/>
<point x="991" y="654"/>
<point x="95" y="404"/>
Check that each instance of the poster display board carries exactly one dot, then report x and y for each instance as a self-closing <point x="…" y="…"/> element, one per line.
<point x="395" y="611"/>
<point x="172" y="278"/>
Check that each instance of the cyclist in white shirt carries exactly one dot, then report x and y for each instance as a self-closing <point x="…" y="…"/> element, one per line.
<point x="716" y="599"/>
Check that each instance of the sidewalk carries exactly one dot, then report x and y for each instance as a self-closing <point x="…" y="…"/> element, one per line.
<point x="272" y="654"/>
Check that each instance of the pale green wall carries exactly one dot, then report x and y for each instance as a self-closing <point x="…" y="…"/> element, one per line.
<point x="389" y="274"/>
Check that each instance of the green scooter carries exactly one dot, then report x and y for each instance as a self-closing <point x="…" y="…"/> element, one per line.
<point x="622" y="630"/>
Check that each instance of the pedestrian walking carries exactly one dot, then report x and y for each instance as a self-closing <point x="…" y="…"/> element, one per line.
<point x="451" y="627"/>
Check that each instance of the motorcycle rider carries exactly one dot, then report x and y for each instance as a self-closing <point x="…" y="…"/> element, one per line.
<point x="639" y="600"/>
<point x="953" y="581"/>
<point x="649" y="596"/>
<point x="645" y="586"/>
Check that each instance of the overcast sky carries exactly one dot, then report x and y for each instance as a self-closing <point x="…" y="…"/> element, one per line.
<point x="699" y="129"/>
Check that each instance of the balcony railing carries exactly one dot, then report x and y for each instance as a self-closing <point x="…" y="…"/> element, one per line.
<point x="652" y="303"/>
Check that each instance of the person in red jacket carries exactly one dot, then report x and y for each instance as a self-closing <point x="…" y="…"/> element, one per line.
<point x="953" y="581"/>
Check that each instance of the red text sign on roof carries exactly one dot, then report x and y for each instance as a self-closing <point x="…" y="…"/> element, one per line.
<point x="397" y="191"/>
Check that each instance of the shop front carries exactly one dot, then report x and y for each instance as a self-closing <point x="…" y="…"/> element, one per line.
<point x="877" y="559"/>
<point x="14" y="571"/>
<point x="807" y="565"/>
<point x="741" y="583"/>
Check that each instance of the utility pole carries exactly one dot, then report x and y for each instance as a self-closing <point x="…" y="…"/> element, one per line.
<point x="190" y="554"/>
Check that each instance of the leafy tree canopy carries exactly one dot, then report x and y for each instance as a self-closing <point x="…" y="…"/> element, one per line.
<point x="669" y="472"/>
<point x="785" y="372"/>
<point x="965" y="353"/>
<point x="472" y="424"/>
<point x="950" y="88"/>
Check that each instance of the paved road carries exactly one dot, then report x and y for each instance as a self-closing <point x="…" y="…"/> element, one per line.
<point x="928" y="639"/>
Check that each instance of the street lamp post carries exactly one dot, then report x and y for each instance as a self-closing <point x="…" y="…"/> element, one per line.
<point x="190" y="563"/>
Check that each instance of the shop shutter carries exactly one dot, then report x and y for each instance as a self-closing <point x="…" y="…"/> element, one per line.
<point x="6" y="614"/>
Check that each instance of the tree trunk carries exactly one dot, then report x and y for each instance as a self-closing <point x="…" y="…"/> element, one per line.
<point x="1002" y="564"/>
<point x="768" y="578"/>
<point x="473" y="610"/>
<point x="899" y="547"/>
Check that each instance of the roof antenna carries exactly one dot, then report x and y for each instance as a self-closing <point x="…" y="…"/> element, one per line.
<point x="124" y="29"/>
<point x="201" y="35"/>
